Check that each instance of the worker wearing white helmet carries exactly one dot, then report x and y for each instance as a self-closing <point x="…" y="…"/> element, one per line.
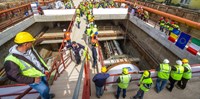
<point x="163" y="75"/>
<point x="176" y="74"/>
<point x="186" y="75"/>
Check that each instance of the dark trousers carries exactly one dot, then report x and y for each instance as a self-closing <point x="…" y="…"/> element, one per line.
<point x="99" y="91"/>
<point x="94" y="56"/>
<point x="118" y="92"/>
<point x="160" y="84"/>
<point x="182" y="83"/>
<point x="77" y="58"/>
<point x="78" y="24"/>
<point x="140" y="94"/>
<point x="172" y="82"/>
<point x="162" y="28"/>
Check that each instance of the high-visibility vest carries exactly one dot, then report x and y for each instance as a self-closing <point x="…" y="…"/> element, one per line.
<point x="164" y="71"/>
<point x="26" y="68"/>
<point x="188" y="74"/>
<point x="67" y="36"/>
<point x="145" y="82"/>
<point x="89" y="16"/>
<point x="124" y="81"/>
<point x="77" y="11"/>
<point x="162" y="22"/>
<point x="88" y="31"/>
<point x="94" y="30"/>
<point x="78" y="19"/>
<point x="177" y="75"/>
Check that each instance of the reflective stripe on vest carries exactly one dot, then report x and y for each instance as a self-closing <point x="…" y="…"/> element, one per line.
<point x="164" y="71"/>
<point x="177" y="75"/>
<point x="124" y="81"/>
<point x="188" y="74"/>
<point x="145" y="81"/>
<point x="41" y="60"/>
<point x="27" y="69"/>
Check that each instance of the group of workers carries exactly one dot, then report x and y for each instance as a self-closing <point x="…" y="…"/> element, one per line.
<point x="25" y="65"/>
<point x="167" y="26"/>
<point x="181" y="73"/>
<point x="138" y="11"/>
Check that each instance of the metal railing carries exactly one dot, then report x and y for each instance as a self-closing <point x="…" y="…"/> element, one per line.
<point x="86" y="84"/>
<point x="13" y="15"/>
<point x="152" y="70"/>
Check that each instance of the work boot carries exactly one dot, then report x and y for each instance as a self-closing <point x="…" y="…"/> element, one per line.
<point x="168" y="89"/>
<point x="52" y="95"/>
<point x="116" y="97"/>
<point x="124" y="96"/>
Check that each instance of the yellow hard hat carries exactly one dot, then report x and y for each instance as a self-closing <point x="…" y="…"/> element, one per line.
<point x="103" y="69"/>
<point x="23" y="37"/>
<point x="185" y="60"/>
<point x="125" y="71"/>
<point x="146" y="73"/>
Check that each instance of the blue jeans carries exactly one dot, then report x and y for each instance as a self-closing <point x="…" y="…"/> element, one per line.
<point x="42" y="88"/>
<point x="140" y="94"/>
<point x="118" y="92"/>
<point x="160" y="84"/>
<point x="99" y="91"/>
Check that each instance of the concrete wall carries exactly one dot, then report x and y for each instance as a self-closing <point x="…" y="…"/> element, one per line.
<point x="108" y="14"/>
<point x="159" y="36"/>
<point x="13" y="30"/>
<point x="55" y="15"/>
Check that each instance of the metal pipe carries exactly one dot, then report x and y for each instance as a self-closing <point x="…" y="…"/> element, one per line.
<point x="117" y="46"/>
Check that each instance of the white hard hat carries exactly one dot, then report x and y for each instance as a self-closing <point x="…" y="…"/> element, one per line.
<point x="95" y="26"/>
<point x="88" y="26"/>
<point x="166" y="61"/>
<point x="64" y="30"/>
<point x="179" y="62"/>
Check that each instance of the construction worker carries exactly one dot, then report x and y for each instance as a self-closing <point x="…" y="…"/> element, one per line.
<point x="144" y="84"/>
<point x="162" y="23"/>
<point x="24" y="65"/>
<point x="163" y="75"/>
<point x="100" y="80"/>
<point x="123" y="82"/>
<point x="94" y="51"/>
<point x="78" y="11"/>
<point x="67" y="37"/>
<point x="88" y="32"/>
<point x="78" y="20"/>
<point x="95" y="30"/>
<point x="186" y="75"/>
<point x="171" y="27"/>
<point x="76" y="48"/>
<point x="146" y="16"/>
<point x="176" y="74"/>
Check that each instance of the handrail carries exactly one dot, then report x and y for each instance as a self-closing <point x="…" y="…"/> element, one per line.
<point x="170" y="16"/>
<point x="78" y="84"/>
<point x="11" y="18"/>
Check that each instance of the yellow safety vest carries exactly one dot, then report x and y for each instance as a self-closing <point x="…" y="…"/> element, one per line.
<point x="144" y="82"/>
<point x="124" y="81"/>
<point x="27" y="69"/>
<point x="188" y="74"/>
<point x="164" y="71"/>
<point x="177" y="75"/>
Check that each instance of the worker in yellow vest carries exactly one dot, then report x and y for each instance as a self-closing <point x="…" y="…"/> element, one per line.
<point x="123" y="82"/>
<point x="78" y="20"/>
<point x="163" y="75"/>
<point x="24" y="65"/>
<point x="176" y="74"/>
<point x="186" y="75"/>
<point x="144" y="84"/>
<point x="78" y="11"/>
<point x="88" y="31"/>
